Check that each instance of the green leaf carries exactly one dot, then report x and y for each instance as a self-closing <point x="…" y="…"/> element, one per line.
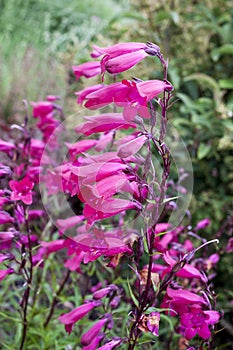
<point x="226" y="49"/>
<point x="132" y="295"/>
<point x="168" y="320"/>
<point x="205" y="80"/>
<point x="203" y="150"/>
<point x="226" y="84"/>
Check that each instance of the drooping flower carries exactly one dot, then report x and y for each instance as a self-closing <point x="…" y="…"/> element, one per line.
<point x="66" y="224"/>
<point x="80" y="146"/>
<point x="77" y="314"/>
<point x="83" y="93"/>
<point x="132" y="96"/>
<point x="87" y="69"/>
<point x="5" y="218"/>
<point x="103" y="122"/>
<point x="202" y="224"/>
<point x="131" y="147"/>
<point x="94" y="343"/>
<point x="117" y="49"/>
<point x="42" y="108"/>
<point x="22" y="190"/>
<point x="122" y="63"/>
<point x="93" y="331"/>
<point x="101" y="293"/>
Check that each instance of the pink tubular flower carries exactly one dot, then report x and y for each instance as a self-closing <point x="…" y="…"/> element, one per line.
<point x="101" y="293"/>
<point x="131" y="147"/>
<point x="122" y="63"/>
<point x="197" y="322"/>
<point x="118" y="49"/>
<point x="22" y="190"/>
<point x="42" y="108"/>
<point x="202" y="224"/>
<point x="5" y="218"/>
<point x="87" y="69"/>
<point x="80" y="146"/>
<point x="66" y="224"/>
<point x="83" y="93"/>
<point x="103" y="122"/>
<point x="151" y="88"/>
<point x="116" y="92"/>
<point x="93" y="331"/>
<point x="94" y="343"/>
<point x="77" y="314"/>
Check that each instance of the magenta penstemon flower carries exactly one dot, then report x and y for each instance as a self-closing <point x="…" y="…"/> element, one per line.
<point x="22" y="190"/>
<point x="42" y="108"/>
<point x="87" y="69"/>
<point x="93" y="331"/>
<point x="77" y="314"/>
<point x="198" y="321"/>
<point x="123" y="62"/>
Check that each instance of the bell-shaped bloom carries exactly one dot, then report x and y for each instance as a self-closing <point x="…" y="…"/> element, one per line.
<point x="77" y="314"/>
<point x="83" y="93"/>
<point x="94" y="343"/>
<point x="22" y="190"/>
<point x="5" y="218"/>
<point x="101" y="293"/>
<point x="122" y="63"/>
<point x="103" y="122"/>
<point x="66" y="224"/>
<point x="93" y="331"/>
<point x="202" y="224"/>
<point x="87" y="69"/>
<point x="151" y="88"/>
<point x="197" y="321"/>
<point x="117" y="49"/>
<point x="42" y="108"/>
<point x="131" y="147"/>
<point x="53" y="246"/>
<point x="116" y="92"/>
<point x="80" y="146"/>
<point x="180" y="300"/>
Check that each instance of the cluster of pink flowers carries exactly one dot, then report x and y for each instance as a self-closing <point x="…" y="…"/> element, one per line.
<point x="110" y="172"/>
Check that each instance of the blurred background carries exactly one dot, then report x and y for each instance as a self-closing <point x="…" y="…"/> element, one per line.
<point x="41" y="40"/>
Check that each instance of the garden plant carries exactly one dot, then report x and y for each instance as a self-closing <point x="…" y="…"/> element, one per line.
<point x="98" y="246"/>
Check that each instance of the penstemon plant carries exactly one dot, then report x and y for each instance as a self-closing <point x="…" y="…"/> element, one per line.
<point x="149" y="277"/>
